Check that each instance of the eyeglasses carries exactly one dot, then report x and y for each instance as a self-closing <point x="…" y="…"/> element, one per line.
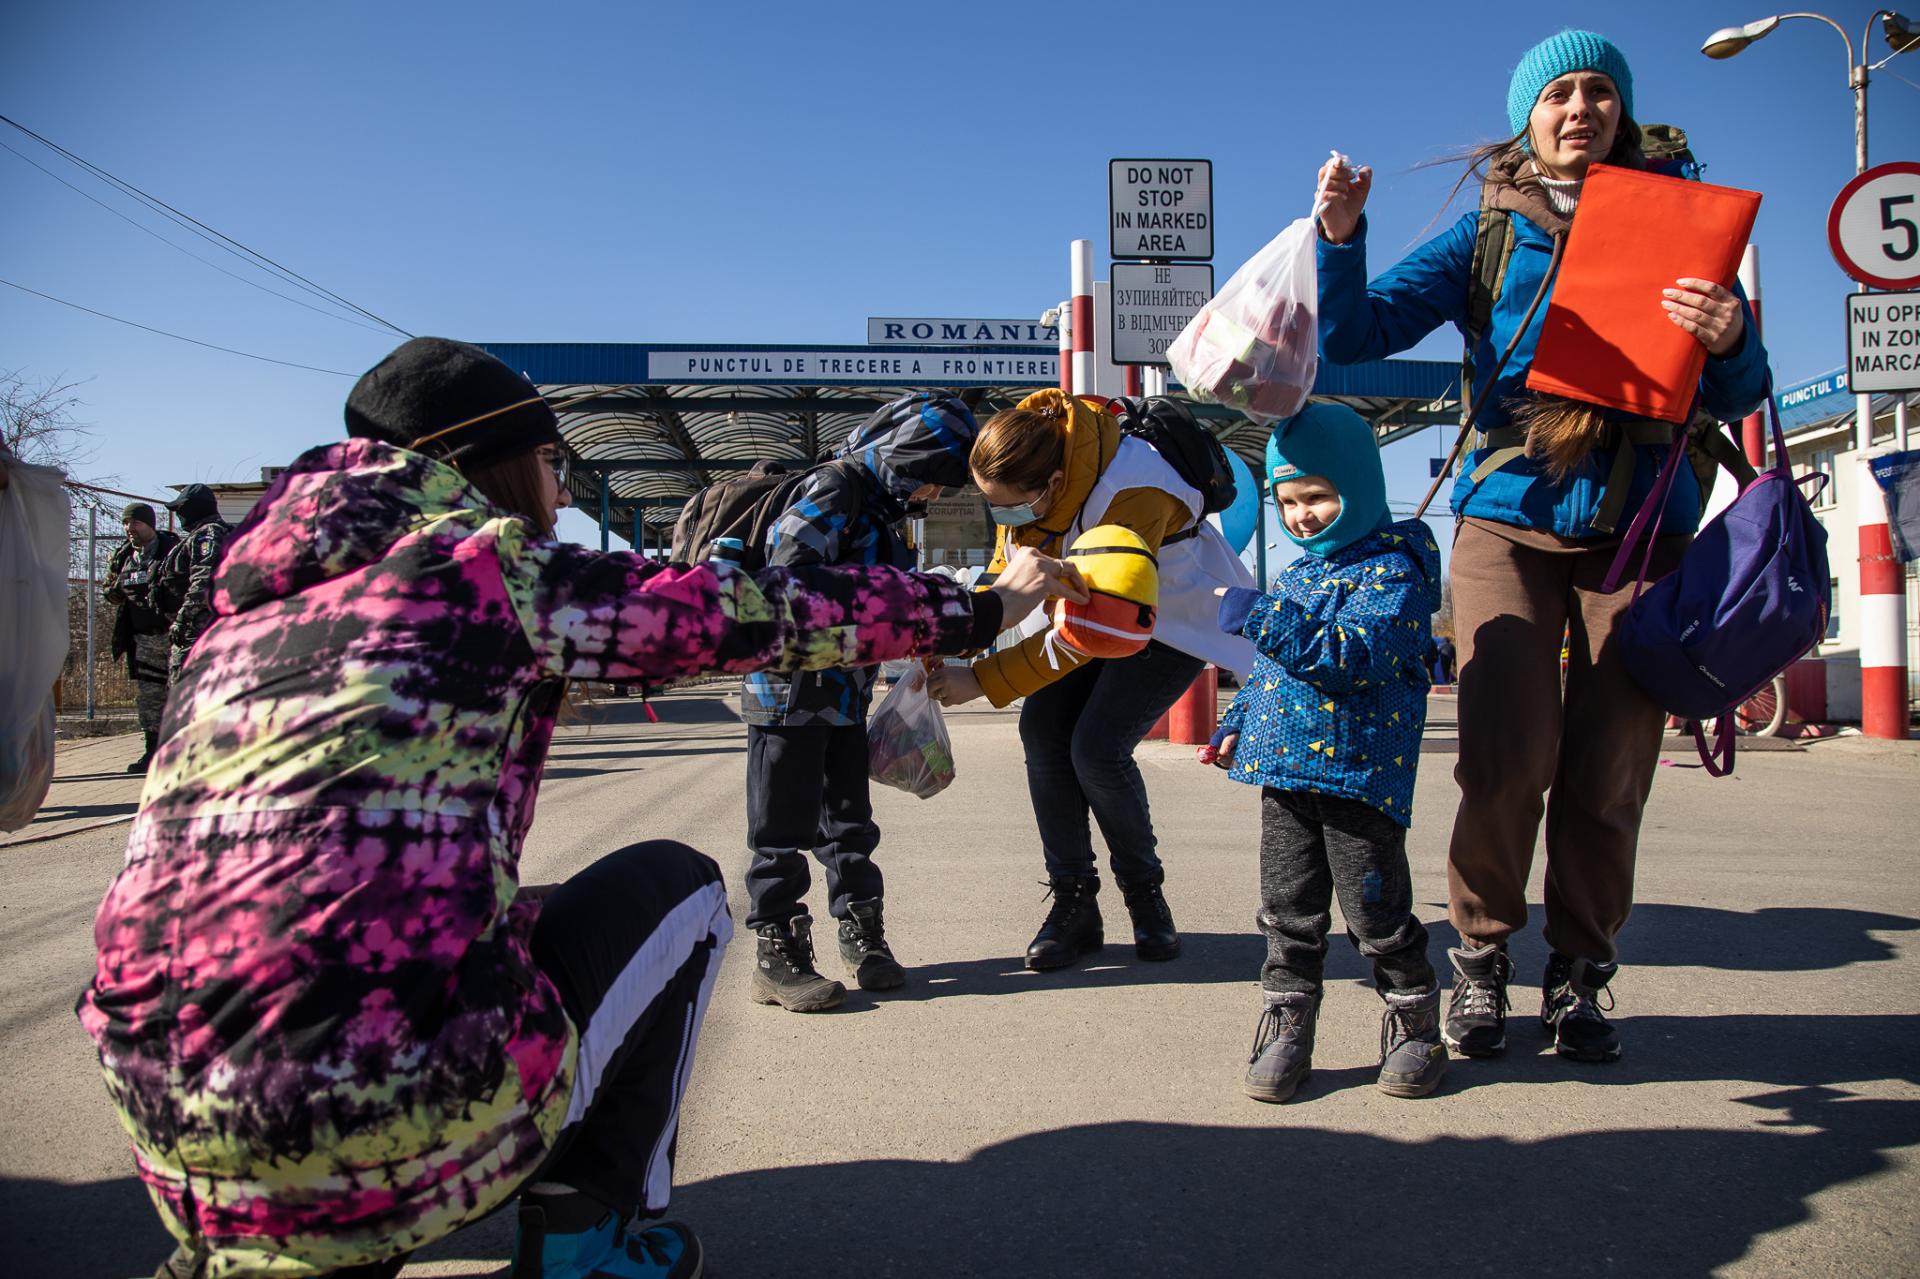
<point x="560" y="464"/>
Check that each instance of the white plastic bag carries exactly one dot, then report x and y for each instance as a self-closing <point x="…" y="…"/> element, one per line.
<point x="33" y="633"/>
<point x="907" y="742"/>
<point x="1255" y="346"/>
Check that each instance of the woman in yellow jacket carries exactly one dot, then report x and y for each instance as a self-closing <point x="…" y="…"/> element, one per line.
<point x="1050" y="469"/>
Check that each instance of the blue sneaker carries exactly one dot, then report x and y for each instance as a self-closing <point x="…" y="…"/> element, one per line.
<point x="665" y="1250"/>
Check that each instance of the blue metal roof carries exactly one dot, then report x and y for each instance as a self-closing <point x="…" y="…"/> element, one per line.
<point x="1813" y="401"/>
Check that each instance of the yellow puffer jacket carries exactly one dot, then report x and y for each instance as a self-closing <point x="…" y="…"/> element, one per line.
<point x="1093" y="437"/>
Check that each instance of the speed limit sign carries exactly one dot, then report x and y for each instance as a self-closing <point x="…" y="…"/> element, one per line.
<point x="1874" y="226"/>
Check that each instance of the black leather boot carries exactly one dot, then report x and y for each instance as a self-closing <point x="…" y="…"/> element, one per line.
<point x="153" y="744"/>
<point x="1154" y="936"/>
<point x="864" y="949"/>
<point x="1073" y="926"/>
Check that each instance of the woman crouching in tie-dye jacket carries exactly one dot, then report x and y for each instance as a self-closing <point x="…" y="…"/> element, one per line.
<point x="333" y="1023"/>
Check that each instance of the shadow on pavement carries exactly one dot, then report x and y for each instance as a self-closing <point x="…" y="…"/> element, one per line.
<point x="1204" y="958"/>
<point x="1144" y="1198"/>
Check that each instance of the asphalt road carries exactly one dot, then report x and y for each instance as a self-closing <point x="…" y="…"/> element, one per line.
<point x="987" y="1120"/>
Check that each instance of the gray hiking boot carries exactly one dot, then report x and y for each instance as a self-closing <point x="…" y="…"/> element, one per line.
<point x="864" y="949"/>
<point x="783" y="971"/>
<point x="1477" y="1014"/>
<point x="1412" y="1058"/>
<point x="1282" y="1057"/>
<point x="1570" y="1007"/>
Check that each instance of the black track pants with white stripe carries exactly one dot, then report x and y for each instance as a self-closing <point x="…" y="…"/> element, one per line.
<point x="633" y="942"/>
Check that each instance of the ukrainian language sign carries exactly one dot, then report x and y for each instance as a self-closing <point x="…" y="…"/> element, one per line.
<point x="1151" y="303"/>
<point x="871" y="367"/>
<point x="887" y="330"/>
<point x="1883" y="342"/>
<point x="1161" y="209"/>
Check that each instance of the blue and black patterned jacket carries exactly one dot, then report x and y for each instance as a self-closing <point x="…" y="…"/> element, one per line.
<point x="1337" y="701"/>
<point x="916" y="440"/>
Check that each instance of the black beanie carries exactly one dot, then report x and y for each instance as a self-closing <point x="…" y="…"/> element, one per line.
<point x="142" y="511"/>
<point x="450" y="400"/>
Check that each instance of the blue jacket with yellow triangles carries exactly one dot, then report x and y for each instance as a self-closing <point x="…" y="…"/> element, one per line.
<point x="1338" y="699"/>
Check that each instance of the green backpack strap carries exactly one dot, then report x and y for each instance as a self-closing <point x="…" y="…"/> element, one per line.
<point x="1492" y="251"/>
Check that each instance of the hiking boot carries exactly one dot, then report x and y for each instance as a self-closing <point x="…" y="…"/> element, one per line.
<point x="1412" y="1058"/>
<point x="1154" y="936"/>
<point x="552" y="1244"/>
<point x="153" y="743"/>
<point x="1570" y="1008"/>
<point x="863" y="946"/>
<point x="783" y="970"/>
<point x="1282" y="1056"/>
<point x="1477" y="1013"/>
<point x="1073" y="926"/>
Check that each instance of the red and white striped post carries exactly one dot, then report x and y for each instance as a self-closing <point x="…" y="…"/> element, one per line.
<point x="1883" y="614"/>
<point x="1083" y="383"/>
<point x="1065" y="323"/>
<point x="1753" y="429"/>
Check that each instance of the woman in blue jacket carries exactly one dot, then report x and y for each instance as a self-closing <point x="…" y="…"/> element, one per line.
<point x="1537" y="507"/>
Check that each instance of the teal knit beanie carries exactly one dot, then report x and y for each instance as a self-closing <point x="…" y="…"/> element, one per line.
<point x="1556" y="56"/>
<point x="1334" y="441"/>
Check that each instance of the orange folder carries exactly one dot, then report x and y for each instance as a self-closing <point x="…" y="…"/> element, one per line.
<point x="1606" y="339"/>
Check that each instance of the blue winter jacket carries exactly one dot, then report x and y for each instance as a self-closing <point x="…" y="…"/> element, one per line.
<point x="1362" y="320"/>
<point x="1338" y="697"/>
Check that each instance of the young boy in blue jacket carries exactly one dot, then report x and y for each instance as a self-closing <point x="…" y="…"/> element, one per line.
<point x="1328" y="726"/>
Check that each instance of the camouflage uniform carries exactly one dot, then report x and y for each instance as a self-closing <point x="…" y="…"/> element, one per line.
<point x="183" y="589"/>
<point x="140" y="632"/>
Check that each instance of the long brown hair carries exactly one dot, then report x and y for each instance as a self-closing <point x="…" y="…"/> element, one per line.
<point x="1021" y="447"/>
<point x="516" y="484"/>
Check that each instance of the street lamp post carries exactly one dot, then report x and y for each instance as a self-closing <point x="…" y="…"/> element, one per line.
<point x="1883" y="622"/>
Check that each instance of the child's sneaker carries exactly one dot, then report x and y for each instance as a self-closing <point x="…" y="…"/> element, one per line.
<point x="1412" y="1058"/>
<point x="1570" y="1008"/>
<point x="864" y="949"/>
<point x="783" y="971"/>
<point x="549" y="1247"/>
<point x="1282" y="1057"/>
<point x="1477" y="1013"/>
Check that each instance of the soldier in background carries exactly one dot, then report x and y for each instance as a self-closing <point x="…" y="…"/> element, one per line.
<point x="139" y="630"/>
<point x="184" y="588"/>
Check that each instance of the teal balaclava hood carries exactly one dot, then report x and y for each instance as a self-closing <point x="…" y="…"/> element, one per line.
<point x="1560" y="55"/>
<point x="1334" y="441"/>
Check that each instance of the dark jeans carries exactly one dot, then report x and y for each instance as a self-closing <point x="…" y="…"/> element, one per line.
<point x="1079" y="733"/>
<point x="807" y="788"/>
<point x="1313" y="846"/>
<point x="633" y="943"/>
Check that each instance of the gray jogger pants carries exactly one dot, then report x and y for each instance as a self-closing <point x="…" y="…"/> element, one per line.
<point x="1314" y="846"/>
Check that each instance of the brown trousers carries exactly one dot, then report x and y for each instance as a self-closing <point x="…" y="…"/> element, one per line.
<point x="1583" y="754"/>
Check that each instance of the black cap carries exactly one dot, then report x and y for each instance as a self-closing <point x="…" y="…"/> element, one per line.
<point x="451" y="400"/>
<point x="195" y="503"/>
<point x="142" y="511"/>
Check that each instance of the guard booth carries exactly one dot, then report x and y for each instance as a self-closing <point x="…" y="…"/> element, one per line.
<point x="649" y="425"/>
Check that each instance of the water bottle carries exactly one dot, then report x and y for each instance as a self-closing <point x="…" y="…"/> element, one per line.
<point x="727" y="550"/>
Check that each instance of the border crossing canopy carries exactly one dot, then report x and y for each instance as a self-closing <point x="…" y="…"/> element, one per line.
<point x="650" y="424"/>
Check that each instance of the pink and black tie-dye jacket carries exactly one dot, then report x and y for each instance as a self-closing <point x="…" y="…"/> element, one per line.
<point x="314" y="1002"/>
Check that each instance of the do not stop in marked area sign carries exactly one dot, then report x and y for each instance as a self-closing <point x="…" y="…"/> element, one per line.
<point x="1160" y="209"/>
<point x="1874" y="226"/>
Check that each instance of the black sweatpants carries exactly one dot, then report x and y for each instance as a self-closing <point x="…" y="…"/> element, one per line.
<point x="633" y="942"/>
<point x="807" y="789"/>
<point x="1313" y="846"/>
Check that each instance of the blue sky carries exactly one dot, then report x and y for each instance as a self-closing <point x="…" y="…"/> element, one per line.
<point x="763" y="173"/>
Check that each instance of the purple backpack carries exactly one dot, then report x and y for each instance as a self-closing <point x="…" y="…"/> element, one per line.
<point x="1749" y="598"/>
